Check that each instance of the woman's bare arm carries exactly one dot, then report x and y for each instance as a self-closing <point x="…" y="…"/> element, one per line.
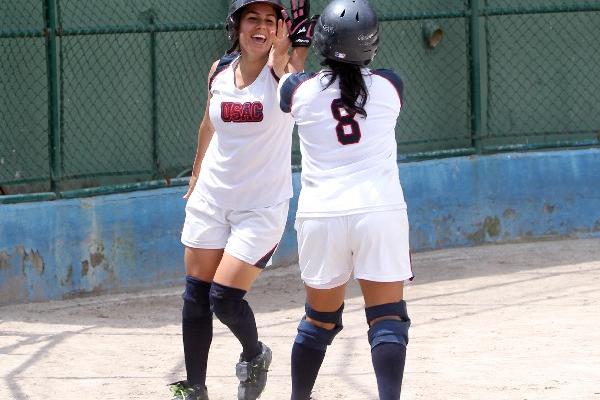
<point x="205" y="134"/>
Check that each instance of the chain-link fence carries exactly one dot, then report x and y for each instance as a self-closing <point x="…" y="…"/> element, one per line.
<point x="543" y="68"/>
<point x="96" y="93"/>
<point x="103" y="92"/>
<point x="24" y="151"/>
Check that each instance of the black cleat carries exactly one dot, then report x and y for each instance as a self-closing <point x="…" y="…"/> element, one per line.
<point x="253" y="374"/>
<point x="182" y="390"/>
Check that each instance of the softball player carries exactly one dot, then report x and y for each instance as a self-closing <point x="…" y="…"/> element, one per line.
<point x="351" y="213"/>
<point x="240" y="188"/>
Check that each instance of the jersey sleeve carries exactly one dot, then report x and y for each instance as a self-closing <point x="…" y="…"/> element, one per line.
<point x="222" y="65"/>
<point x="394" y="79"/>
<point x="280" y="93"/>
<point x="287" y="88"/>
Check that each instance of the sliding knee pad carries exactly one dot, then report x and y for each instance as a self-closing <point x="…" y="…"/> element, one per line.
<point x="388" y="330"/>
<point x="228" y="303"/>
<point x="316" y="337"/>
<point x="196" y="303"/>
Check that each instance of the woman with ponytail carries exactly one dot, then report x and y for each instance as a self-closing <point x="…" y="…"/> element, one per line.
<point x="351" y="216"/>
<point x="237" y="200"/>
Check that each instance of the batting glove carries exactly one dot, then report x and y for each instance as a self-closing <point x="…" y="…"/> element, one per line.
<point x="300" y="25"/>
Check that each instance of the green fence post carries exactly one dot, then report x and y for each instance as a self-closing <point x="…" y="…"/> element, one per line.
<point x="52" y="60"/>
<point x="478" y="87"/>
<point x="153" y="71"/>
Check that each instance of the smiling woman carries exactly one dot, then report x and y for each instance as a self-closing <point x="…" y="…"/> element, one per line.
<point x="254" y="23"/>
<point x="237" y="200"/>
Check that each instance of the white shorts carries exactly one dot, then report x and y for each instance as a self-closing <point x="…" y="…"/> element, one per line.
<point x="373" y="245"/>
<point x="251" y="235"/>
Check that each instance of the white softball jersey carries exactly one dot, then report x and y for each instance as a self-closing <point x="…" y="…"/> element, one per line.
<point x="248" y="162"/>
<point x="349" y="163"/>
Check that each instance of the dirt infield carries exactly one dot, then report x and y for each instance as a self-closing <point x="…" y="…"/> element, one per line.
<point x="518" y="321"/>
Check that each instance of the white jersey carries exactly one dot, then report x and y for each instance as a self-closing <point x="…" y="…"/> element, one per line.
<point x="349" y="163"/>
<point x="248" y="162"/>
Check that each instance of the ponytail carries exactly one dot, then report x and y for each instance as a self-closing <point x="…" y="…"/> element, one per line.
<point x="352" y="85"/>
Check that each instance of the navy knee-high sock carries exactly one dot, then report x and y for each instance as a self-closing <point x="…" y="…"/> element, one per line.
<point x="245" y="331"/>
<point x="197" y="329"/>
<point x="232" y="310"/>
<point x="306" y="363"/>
<point x="388" y="362"/>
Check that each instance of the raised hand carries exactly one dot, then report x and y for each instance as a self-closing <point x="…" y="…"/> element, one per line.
<point x="281" y="41"/>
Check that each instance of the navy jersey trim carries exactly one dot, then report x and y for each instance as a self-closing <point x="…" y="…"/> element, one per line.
<point x="262" y="263"/>
<point x="274" y="74"/>
<point x="289" y="87"/>
<point x="224" y="62"/>
<point x="394" y="79"/>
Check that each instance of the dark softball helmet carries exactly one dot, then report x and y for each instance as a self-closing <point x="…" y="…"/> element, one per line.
<point x="347" y="31"/>
<point x="235" y="10"/>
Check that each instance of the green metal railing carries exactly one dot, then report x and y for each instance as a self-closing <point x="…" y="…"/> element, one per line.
<point x="101" y="97"/>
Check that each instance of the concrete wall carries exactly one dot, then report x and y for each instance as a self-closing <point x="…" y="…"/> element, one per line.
<point x="64" y="248"/>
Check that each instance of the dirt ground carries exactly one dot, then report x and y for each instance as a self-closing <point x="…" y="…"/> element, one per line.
<point x="516" y="321"/>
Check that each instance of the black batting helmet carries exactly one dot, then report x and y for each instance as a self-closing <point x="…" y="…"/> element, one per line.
<point x="235" y="9"/>
<point x="347" y="31"/>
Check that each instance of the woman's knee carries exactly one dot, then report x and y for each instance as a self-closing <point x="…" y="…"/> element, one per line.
<point x="202" y="263"/>
<point x="228" y="303"/>
<point x="318" y="329"/>
<point x="388" y="323"/>
<point x="196" y="303"/>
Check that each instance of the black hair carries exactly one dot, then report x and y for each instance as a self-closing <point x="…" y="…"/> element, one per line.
<point x="234" y="36"/>
<point x="352" y="85"/>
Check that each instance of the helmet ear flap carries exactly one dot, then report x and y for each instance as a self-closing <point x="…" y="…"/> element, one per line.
<point x="374" y="51"/>
<point x="232" y="26"/>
